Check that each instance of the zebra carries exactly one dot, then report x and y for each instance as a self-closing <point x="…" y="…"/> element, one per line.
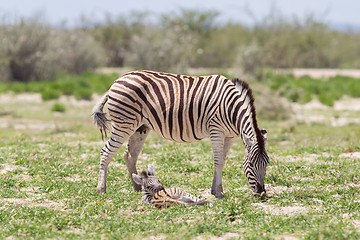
<point x="182" y="108"/>
<point x="153" y="192"/>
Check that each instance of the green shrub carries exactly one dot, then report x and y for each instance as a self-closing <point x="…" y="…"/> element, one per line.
<point x="3" y="87"/>
<point x="49" y="93"/>
<point x="326" y="98"/>
<point x="58" y="107"/>
<point x="81" y="86"/>
<point x="83" y="93"/>
<point x="67" y="85"/>
<point x="304" y="89"/>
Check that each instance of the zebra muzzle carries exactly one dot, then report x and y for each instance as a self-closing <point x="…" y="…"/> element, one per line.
<point x="259" y="191"/>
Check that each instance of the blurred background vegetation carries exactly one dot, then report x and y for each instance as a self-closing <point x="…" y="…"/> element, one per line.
<point x="37" y="57"/>
<point x="31" y="49"/>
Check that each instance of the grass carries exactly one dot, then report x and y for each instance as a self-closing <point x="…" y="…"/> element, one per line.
<point x="304" y="89"/>
<point x="81" y="86"/>
<point x="49" y="169"/>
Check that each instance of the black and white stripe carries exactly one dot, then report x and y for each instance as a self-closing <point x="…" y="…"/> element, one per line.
<point x="153" y="192"/>
<point x="182" y="109"/>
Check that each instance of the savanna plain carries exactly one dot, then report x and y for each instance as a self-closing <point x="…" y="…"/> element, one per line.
<point x="49" y="162"/>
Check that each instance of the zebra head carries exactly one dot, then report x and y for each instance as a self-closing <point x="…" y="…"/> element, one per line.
<point x="149" y="183"/>
<point x="255" y="162"/>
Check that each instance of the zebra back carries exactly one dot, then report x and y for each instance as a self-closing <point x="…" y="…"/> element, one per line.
<point x="174" y="196"/>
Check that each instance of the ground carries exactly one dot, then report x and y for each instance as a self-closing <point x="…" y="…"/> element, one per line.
<point x="49" y="166"/>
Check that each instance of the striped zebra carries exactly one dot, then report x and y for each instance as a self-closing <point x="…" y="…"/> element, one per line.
<point x="182" y="109"/>
<point x="153" y="192"/>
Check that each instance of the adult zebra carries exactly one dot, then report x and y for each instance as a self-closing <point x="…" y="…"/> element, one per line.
<point x="182" y="109"/>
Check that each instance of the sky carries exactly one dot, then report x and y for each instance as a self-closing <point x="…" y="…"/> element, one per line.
<point x="334" y="12"/>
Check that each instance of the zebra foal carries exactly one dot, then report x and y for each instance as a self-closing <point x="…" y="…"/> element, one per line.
<point x="182" y="109"/>
<point x="153" y="192"/>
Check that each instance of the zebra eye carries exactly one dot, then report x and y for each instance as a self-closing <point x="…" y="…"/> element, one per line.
<point x="251" y="164"/>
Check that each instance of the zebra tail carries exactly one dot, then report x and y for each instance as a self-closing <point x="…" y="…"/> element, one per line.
<point x="100" y="117"/>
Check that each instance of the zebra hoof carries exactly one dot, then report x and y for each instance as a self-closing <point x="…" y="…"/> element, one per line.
<point x="261" y="196"/>
<point x="101" y="190"/>
<point x="220" y="195"/>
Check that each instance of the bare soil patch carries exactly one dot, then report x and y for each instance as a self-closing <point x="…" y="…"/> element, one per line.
<point x="338" y="115"/>
<point x="312" y="157"/>
<point x="320" y="73"/>
<point x="222" y="237"/>
<point x="4" y="168"/>
<point x="288" y="210"/>
<point x="21" y="97"/>
<point x="34" y="202"/>
<point x="274" y="190"/>
<point x="286" y="237"/>
<point x="353" y="155"/>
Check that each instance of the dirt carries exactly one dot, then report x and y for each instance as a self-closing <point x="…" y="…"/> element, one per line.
<point x="22" y="97"/>
<point x="356" y="223"/>
<point x="312" y="157"/>
<point x="336" y="116"/>
<point x="34" y="202"/>
<point x="222" y="237"/>
<point x="4" y="168"/>
<point x="347" y="104"/>
<point x="353" y="155"/>
<point x="321" y="73"/>
<point x="288" y="210"/>
<point x="74" y="178"/>
<point x="286" y="237"/>
<point x="274" y="190"/>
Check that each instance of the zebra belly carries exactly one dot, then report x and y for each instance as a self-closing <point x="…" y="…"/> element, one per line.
<point x="175" y="133"/>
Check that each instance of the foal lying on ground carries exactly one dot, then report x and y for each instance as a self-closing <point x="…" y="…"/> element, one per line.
<point x="155" y="194"/>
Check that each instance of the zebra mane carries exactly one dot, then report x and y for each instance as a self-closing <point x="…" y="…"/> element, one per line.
<point x="240" y="85"/>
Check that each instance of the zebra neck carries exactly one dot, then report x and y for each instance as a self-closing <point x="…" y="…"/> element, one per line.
<point x="246" y="124"/>
<point x="146" y="196"/>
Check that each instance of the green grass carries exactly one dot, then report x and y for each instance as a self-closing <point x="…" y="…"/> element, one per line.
<point x="49" y="171"/>
<point x="304" y="89"/>
<point x="81" y="86"/>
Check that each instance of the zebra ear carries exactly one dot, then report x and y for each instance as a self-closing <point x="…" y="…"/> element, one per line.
<point x="247" y="140"/>
<point x="151" y="170"/>
<point x="137" y="179"/>
<point x="264" y="135"/>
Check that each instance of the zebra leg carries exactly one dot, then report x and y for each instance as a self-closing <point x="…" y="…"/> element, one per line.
<point x="133" y="150"/>
<point x="227" y="145"/>
<point x="106" y="154"/>
<point x="217" y="139"/>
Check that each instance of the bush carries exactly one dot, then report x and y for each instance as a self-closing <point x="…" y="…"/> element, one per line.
<point x="23" y="45"/>
<point x="83" y="93"/>
<point x="161" y="49"/>
<point x="49" y="93"/>
<point x="80" y="86"/>
<point x="73" y="51"/>
<point x="303" y="89"/>
<point x="271" y="106"/>
<point x="58" y="107"/>
<point x="31" y="50"/>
